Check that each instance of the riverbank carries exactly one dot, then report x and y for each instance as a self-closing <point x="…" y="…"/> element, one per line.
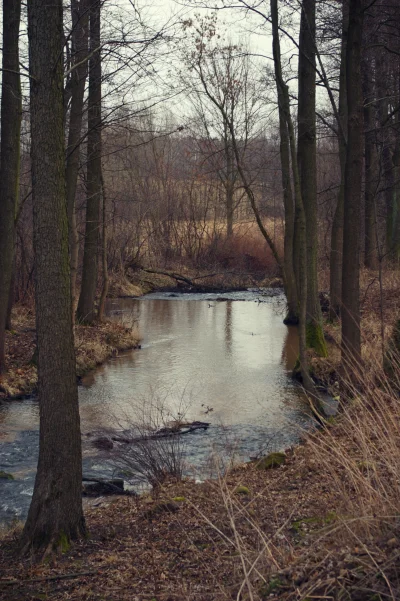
<point x="138" y="281"/>
<point x="93" y="345"/>
<point x="320" y="526"/>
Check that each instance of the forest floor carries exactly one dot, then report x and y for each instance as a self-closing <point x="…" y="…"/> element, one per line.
<point x="93" y="344"/>
<point x="295" y="532"/>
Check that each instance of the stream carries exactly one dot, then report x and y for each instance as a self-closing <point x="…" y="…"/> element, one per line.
<point x="223" y="358"/>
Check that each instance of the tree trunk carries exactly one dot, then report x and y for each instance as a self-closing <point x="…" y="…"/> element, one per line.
<point x="11" y="295"/>
<point x="104" y="291"/>
<point x="300" y="220"/>
<point x="79" y="40"/>
<point x="371" y="255"/>
<point x="351" y="335"/>
<point x="230" y="183"/>
<point x="382" y="77"/>
<point x="292" y="316"/>
<point x="55" y="515"/>
<point x="86" y="307"/>
<point x="336" y="254"/>
<point x="307" y="164"/>
<point x="10" y="156"/>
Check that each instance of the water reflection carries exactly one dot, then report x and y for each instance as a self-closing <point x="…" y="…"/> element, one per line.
<point x="234" y="357"/>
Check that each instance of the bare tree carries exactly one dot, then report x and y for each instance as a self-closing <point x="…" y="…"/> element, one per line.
<point x="351" y="334"/>
<point x="11" y="108"/>
<point x="55" y="515"/>
<point x="86" y="306"/>
<point x="307" y="164"/>
<point x="76" y="88"/>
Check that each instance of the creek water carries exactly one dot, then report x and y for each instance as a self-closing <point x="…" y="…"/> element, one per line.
<point x="222" y="358"/>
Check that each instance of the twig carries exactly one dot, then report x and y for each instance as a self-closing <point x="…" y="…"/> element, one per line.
<point x="50" y="578"/>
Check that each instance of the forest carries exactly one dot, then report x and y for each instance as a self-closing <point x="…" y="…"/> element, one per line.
<point x="197" y="147"/>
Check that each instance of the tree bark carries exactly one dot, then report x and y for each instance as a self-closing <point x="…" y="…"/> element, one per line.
<point x="11" y="111"/>
<point x="371" y="255"/>
<point x="79" y="40"/>
<point x="300" y="220"/>
<point x="86" y="307"/>
<point x="336" y="254"/>
<point x="55" y="515"/>
<point x="104" y="291"/>
<point x="307" y="164"/>
<point x="351" y="335"/>
<point x="292" y="316"/>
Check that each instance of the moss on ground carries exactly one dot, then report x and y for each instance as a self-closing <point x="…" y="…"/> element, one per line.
<point x="271" y="461"/>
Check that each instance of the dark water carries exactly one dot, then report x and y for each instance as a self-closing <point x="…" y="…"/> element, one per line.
<point x="227" y="362"/>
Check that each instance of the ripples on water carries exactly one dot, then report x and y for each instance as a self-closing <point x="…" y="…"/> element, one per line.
<point x="227" y="362"/>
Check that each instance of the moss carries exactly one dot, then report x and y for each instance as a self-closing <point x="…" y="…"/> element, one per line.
<point x="315" y="338"/>
<point x="271" y="461"/>
<point x="242" y="490"/>
<point x="271" y="586"/>
<point x="6" y="476"/>
<point x="329" y="518"/>
<point x="63" y="543"/>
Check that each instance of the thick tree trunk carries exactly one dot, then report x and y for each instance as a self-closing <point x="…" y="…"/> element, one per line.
<point x="351" y="335"/>
<point x="371" y="255"/>
<point x="307" y="164"/>
<point x="10" y="156"/>
<point x="336" y="254"/>
<point x="55" y="515"/>
<point x="86" y="307"/>
<point x="79" y="40"/>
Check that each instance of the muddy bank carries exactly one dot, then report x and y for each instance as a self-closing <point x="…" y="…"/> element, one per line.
<point x="93" y="345"/>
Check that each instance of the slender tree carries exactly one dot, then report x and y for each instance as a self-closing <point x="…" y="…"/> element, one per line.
<point x="55" y="515"/>
<point x="336" y="253"/>
<point x="351" y="335"/>
<point x="371" y="255"/>
<point x="307" y="164"/>
<point x="76" y="85"/>
<point x="10" y="156"/>
<point x="86" y="307"/>
<point x="300" y="217"/>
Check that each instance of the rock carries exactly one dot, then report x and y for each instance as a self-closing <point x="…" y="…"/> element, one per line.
<point x="6" y="476"/>
<point x="103" y="443"/>
<point x="271" y="461"/>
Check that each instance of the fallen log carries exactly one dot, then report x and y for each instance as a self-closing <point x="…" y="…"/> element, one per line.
<point x="176" y="429"/>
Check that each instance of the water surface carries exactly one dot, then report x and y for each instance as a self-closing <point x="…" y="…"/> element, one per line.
<point x="227" y="362"/>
